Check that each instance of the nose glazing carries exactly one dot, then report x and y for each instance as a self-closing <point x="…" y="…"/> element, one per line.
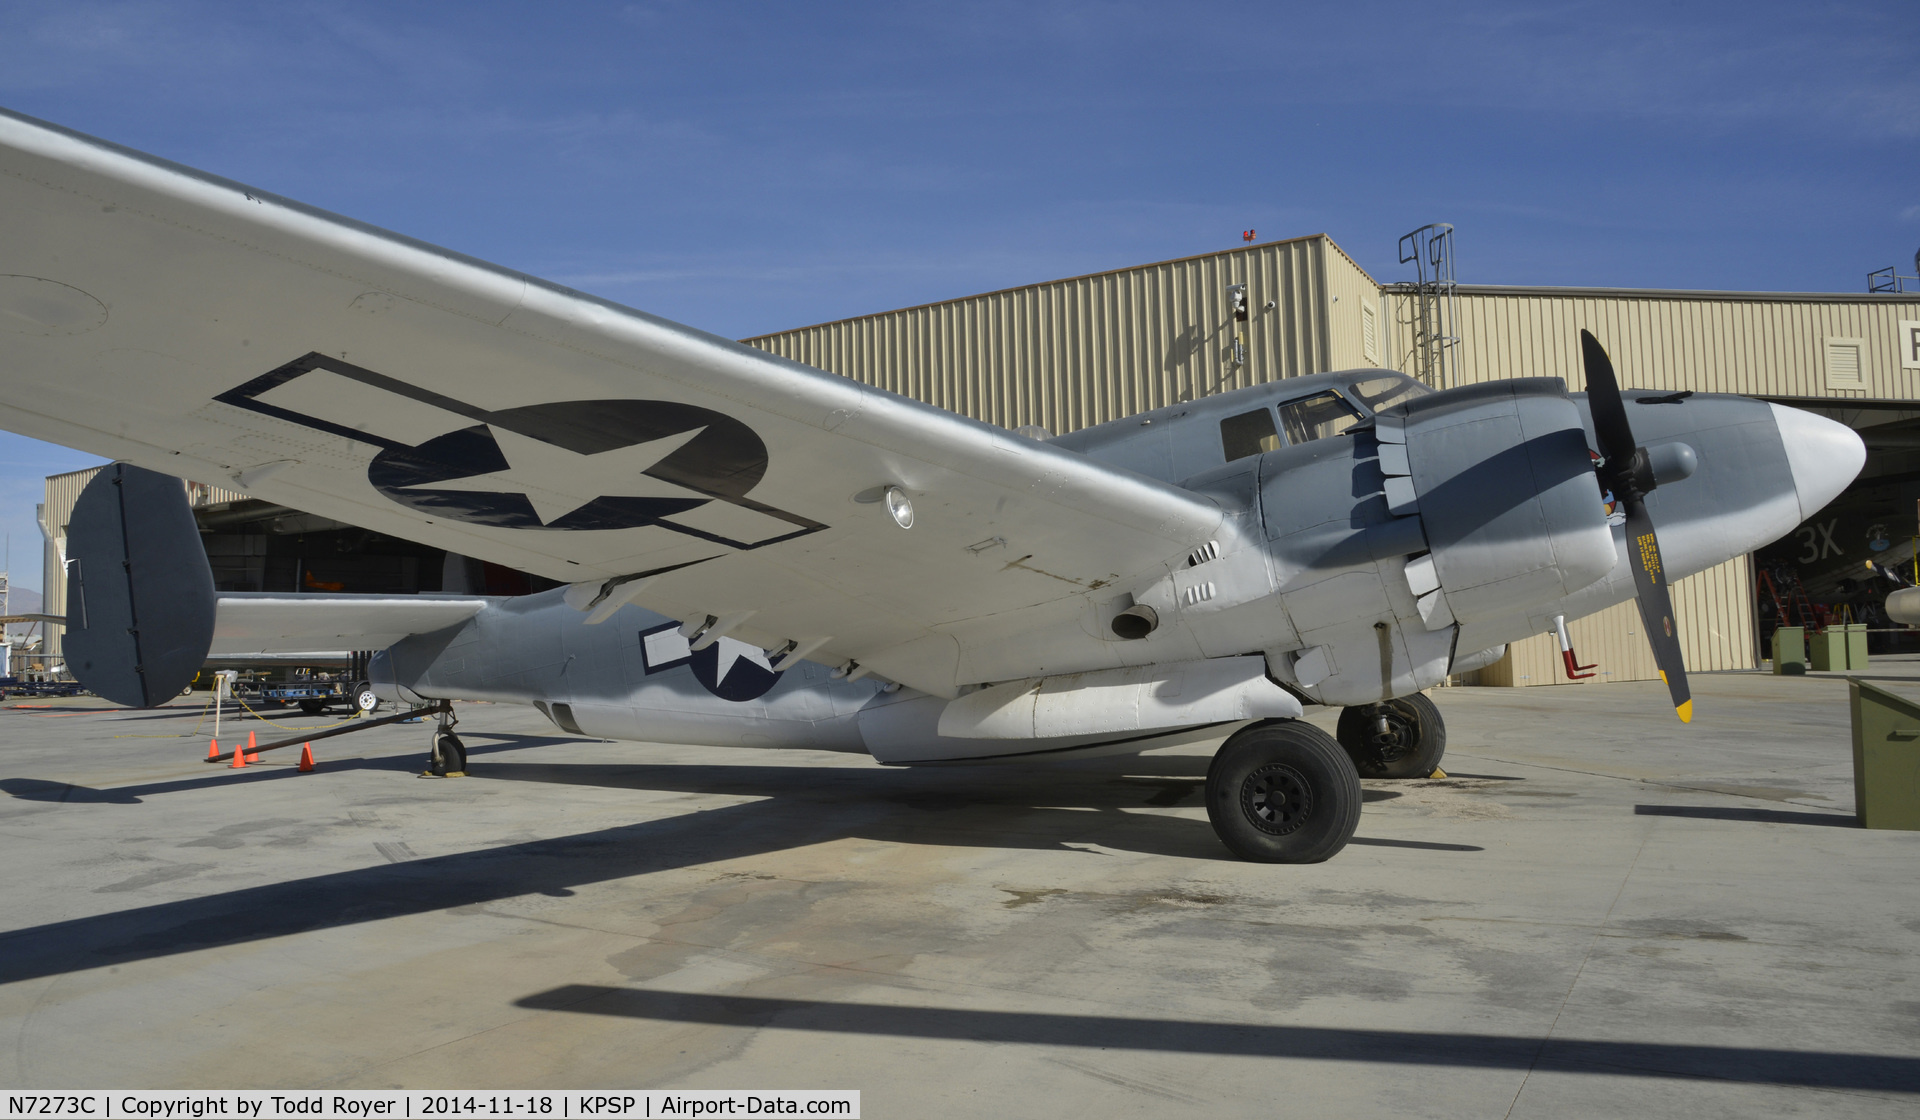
<point x="1824" y="455"/>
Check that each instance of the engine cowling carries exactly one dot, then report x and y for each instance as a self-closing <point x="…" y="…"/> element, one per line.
<point x="1501" y="480"/>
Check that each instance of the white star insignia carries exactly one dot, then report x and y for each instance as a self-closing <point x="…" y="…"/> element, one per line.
<point x="732" y="651"/>
<point x="556" y="481"/>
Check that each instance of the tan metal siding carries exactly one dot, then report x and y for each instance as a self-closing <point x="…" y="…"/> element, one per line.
<point x="63" y="490"/>
<point x="1349" y="290"/>
<point x="1081" y="351"/>
<point x="1758" y="347"/>
<point x="1712" y="609"/>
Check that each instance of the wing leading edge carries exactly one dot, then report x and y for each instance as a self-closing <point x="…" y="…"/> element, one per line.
<point x="201" y="328"/>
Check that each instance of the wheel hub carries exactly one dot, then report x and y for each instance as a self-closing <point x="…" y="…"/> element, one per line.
<point x="1399" y="738"/>
<point x="1276" y="798"/>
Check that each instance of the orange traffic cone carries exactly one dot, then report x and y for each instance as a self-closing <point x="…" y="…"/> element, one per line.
<point x="306" y="758"/>
<point x="252" y="755"/>
<point x="213" y="749"/>
<point x="239" y="759"/>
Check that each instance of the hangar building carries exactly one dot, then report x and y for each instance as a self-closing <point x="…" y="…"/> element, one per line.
<point x="1070" y="353"/>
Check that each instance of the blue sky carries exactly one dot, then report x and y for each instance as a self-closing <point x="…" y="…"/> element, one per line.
<point x="750" y="167"/>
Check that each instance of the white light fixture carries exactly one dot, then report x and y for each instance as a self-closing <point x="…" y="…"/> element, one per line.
<point x="900" y="507"/>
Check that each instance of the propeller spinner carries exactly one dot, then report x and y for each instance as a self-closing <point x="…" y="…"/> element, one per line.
<point x="1627" y="470"/>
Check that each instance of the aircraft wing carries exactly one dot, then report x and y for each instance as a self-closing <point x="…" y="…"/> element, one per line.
<point x="203" y="329"/>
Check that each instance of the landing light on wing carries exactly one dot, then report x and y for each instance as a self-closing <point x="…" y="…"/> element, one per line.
<point x="900" y="507"/>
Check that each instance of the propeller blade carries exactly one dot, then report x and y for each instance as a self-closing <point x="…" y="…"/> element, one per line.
<point x="1628" y="475"/>
<point x="1656" y="607"/>
<point x="1609" y="412"/>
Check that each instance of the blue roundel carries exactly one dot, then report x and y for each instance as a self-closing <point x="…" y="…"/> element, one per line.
<point x="730" y="669"/>
<point x="745" y="679"/>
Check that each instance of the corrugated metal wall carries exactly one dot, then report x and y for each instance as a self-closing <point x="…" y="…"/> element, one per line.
<point x="1070" y="353"/>
<point x="1755" y="343"/>
<point x="1713" y="610"/>
<point x="1768" y="344"/>
<point x="63" y="490"/>
<point x="1352" y="295"/>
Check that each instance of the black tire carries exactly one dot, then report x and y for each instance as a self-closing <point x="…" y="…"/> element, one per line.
<point x="313" y="707"/>
<point x="364" y="698"/>
<point x="1283" y="792"/>
<point x="449" y="755"/>
<point x="1414" y="742"/>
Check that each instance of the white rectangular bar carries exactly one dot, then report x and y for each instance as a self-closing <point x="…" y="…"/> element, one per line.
<point x="453" y="1104"/>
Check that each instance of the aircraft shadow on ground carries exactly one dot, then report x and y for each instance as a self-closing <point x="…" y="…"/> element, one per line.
<point x="1751" y="1065"/>
<point x="793" y="806"/>
<point x="1758" y="816"/>
<point x="38" y="789"/>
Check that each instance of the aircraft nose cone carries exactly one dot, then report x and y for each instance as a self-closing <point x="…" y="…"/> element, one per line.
<point x="1823" y="454"/>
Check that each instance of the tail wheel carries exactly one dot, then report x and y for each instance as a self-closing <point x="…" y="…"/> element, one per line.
<point x="1283" y="792"/>
<point x="1402" y="738"/>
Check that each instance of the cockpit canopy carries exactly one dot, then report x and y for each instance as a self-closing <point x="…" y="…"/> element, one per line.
<point x="1184" y="440"/>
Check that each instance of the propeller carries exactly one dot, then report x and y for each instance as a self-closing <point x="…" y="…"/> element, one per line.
<point x="1627" y="470"/>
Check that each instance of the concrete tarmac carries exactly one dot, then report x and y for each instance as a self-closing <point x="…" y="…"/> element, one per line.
<point x="1600" y="912"/>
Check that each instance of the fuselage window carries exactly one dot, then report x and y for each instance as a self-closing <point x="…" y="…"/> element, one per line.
<point x="1317" y="417"/>
<point x="1249" y="433"/>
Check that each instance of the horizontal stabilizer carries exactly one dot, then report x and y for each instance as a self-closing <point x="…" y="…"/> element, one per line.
<point x="255" y="622"/>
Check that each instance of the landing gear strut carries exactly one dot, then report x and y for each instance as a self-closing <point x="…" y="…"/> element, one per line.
<point x="1282" y="791"/>
<point x="448" y="758"/>
<point x="1401" y="738"/>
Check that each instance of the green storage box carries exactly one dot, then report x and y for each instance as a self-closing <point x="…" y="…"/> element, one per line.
<point x="1886" y="758"/>
<point x="1789" y="649"/>
<point x="1827" y="651"/>
<point x="1857" y="645"/>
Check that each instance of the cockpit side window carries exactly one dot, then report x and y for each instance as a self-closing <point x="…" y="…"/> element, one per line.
<point x="1249" y="433"/>
<point x="1384" y="392"/>
<point x="1317" y="417"/>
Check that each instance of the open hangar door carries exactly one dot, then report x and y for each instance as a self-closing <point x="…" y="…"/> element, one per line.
<point x="1840" y="565"/>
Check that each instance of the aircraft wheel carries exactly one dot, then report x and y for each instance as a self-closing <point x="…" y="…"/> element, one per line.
<point x="449" y="756"/>
<point x="1409" y="747"/>
<point x="1283" y="791"/>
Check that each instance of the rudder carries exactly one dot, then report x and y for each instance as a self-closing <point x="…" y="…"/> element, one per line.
<point x="140" y="598"/>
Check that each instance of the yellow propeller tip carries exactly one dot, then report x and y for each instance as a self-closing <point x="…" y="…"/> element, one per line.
<point x="1685" y="711"/>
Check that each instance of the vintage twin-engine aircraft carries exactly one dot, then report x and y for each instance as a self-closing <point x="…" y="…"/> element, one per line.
<point x="758" y="553"/>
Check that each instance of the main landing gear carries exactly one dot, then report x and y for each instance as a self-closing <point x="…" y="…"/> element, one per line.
<point x="1283" y="791"/>
<point x="448" y="758"/>
<point x="1401" y="738"/>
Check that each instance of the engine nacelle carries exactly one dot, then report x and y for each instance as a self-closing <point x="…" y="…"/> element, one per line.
<point x="1501" y="480"/>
